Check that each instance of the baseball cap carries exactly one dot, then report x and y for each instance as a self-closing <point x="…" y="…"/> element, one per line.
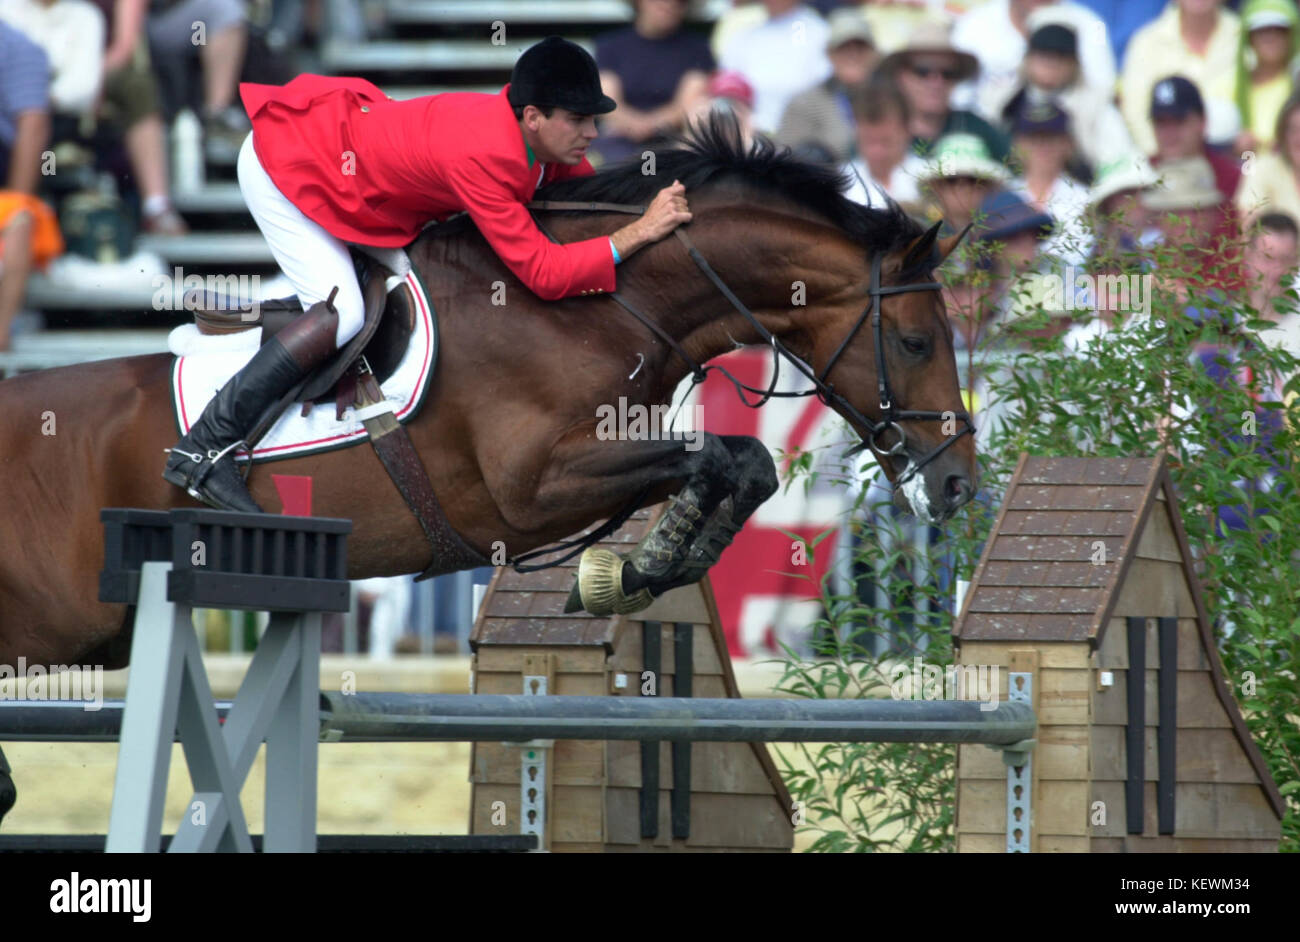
<point x="1262" y="14"/>
<point x="1055" y="37"/>
<point x="1176" y="97"/>
<point x="1040" y="118"/>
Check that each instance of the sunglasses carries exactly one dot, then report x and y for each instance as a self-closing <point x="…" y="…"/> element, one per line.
<point x="925" y="71"/>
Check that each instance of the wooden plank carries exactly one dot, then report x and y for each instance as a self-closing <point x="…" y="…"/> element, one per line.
<point x="1225" y="811"/>
<point x="1077" y="497"/>
<point x="982" y="807"/>
<point x="576" y="814"/>
<point x="1191" y="652"/>
<point x="1022" y="627"/>
<point x="1061" y="844"/>
<point x="569" y="659"/>
<point x="1199" y="706"/>
<point x="1153" y="588"/>
<point x="1058" y="600"/>
<point x="1111" y="796"/>
<point x="1157" y="540"/>
<point x="564" y="684"/>
<point x="1061" y="808"/>
<point x="573" y="762"/>
<point x="1050" y="655"/>
<point x="1000" y="572"/>
<point x="1061" y="754"/>
<point x="627" y="650"/>
<point x="981" y="843"/>
<point x="1213" y="755"/>
<point x="684" y="604"/>
<point x="559" y="579"/>
<point x="537" y="630"/>
<point x="1192" y="845"/>
<point x="737" y="821"/>
<point x="1064" y="697"/>
<point x="1050" y="548"/>
<point x="720" y="767"/>
<point x="1074" y="470"/>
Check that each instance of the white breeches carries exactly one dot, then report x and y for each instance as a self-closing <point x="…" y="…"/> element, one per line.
<point x="313" y="260"/>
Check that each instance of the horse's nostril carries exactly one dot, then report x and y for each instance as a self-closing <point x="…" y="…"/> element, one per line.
<point x="957" y="489"/>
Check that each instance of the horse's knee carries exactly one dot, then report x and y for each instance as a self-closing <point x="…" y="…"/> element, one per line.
<point x="756" y="478"/>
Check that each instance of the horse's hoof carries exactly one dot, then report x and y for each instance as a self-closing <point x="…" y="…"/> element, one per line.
<point x="599" y="588"/>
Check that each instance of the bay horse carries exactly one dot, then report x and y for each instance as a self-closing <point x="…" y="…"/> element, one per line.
<point x="508" y="430"/>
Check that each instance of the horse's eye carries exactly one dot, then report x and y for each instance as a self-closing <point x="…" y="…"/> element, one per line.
<point x="914" y="345"/>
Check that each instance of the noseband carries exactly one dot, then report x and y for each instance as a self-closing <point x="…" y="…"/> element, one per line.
<point x="823" y="389"/>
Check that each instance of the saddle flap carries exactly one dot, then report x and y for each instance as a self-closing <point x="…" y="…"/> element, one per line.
<point x="375" y="294"/>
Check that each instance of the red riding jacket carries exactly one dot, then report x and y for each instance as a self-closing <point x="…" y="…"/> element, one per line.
<point x="375" y="171"/>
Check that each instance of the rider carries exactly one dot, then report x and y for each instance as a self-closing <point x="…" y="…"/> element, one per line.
<point x="333" y="160"/>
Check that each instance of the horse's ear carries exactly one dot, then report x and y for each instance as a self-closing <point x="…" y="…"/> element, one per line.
<point x="920" y="247"/>
<point x="946" y="246"/>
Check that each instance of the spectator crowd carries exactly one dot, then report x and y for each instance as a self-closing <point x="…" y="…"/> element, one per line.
<point x="1066" y="132"/>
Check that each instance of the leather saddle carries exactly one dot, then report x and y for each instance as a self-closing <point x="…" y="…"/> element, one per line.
<point x="382" y="340"/>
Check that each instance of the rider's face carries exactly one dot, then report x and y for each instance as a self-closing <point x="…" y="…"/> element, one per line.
<point x="563" y="138"/>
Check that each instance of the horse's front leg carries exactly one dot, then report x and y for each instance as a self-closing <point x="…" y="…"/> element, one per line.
<point x="582" y="473"/>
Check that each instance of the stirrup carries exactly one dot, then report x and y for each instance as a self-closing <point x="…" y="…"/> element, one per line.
<point x="200" y="472"/>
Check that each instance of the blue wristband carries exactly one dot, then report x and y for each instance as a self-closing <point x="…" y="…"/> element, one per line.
<point x="613" y="248"/>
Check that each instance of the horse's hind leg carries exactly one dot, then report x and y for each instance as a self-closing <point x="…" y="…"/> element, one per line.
<point x="8" y="792"/>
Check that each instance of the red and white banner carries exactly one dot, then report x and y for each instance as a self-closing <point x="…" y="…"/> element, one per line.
<point x="764" y="596"/>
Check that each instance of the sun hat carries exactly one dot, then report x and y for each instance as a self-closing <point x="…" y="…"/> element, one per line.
<point x="1130" y="172"/>
<point x="1184" y="184"/>
<point x="932" y="36"/>
<point x="962" y="155"/>
<point x="848" y="25"/>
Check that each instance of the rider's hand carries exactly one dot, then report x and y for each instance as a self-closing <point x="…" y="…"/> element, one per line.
<point x="668" y="211"/>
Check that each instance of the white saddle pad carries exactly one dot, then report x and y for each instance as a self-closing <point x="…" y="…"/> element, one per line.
<point x="205" y="363"/>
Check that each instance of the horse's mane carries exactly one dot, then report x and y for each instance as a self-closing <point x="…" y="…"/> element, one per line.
<point x="715" y="154"/>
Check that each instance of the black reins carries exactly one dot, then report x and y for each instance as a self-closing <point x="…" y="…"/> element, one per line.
<point x="823" y="389"/>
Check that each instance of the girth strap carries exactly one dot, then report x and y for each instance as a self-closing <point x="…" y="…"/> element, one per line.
<point x="393" y="445"/>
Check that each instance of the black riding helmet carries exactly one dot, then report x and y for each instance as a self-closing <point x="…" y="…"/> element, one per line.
<point x="556" y="73"/>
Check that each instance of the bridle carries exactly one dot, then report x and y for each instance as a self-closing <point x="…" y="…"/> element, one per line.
<point x="823" y="389"/>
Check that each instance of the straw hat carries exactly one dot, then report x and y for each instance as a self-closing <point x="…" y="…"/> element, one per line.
<point x="962" y="155"/>
<point x="1184" y="184"/>
<point x="1131" y="172"/>
<point x="932" y="36"/>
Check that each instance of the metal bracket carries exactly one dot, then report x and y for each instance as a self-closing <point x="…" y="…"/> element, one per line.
<point x="533" y="768"/>
<point x="1020" y="771"/>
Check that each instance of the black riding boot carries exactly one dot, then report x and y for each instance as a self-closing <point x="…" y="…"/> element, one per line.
<point x="201" y="462"/>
